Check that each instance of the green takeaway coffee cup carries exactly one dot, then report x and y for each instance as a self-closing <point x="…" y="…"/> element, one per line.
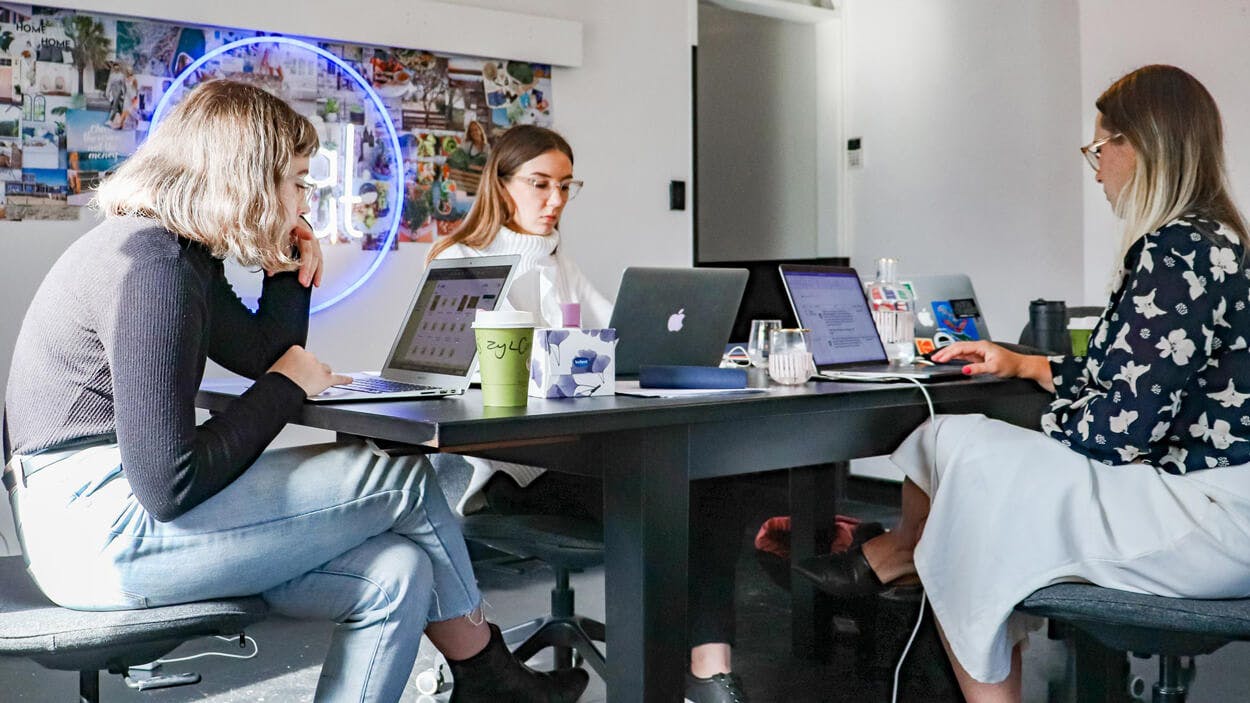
<point x="1079" y="329"/>
<point x="503" y="339"/>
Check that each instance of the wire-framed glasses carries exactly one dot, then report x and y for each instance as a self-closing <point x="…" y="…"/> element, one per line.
<point x="568" y="188"/>
<point x="1092" y="151"/>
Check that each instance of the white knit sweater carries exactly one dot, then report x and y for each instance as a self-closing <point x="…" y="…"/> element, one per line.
<point x="543" y="279"/>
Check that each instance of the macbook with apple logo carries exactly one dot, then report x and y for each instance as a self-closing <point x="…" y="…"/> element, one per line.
<point x="674" y="316"/>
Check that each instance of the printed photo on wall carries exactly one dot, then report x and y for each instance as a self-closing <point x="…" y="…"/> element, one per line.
<point x="10" y="159"/>
<point x="93" y="149"/>
<point x="10" y="121"/>
<point x="466" y="160"/>
<point x="517" y="92"/>
<point x="467" y="93"/>
<point x="40" y="195"/>
<point x="425" y="95"/>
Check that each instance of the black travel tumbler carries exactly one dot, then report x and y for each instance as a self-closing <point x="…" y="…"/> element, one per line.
<point x="1048" y="320"/>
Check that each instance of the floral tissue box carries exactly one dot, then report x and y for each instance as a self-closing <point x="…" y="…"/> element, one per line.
<point x="573" y="363"/>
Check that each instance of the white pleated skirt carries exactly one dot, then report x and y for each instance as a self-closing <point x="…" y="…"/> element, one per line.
<point x="1014" y="511"/>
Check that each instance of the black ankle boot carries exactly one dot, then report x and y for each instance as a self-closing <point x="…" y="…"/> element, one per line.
<point x="493" y="675"/>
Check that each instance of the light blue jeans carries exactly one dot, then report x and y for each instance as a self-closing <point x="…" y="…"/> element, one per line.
<point x="329" y="532"/>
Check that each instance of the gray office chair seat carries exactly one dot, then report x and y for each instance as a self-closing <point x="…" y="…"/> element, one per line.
<point x="569" y="543"/>
<point x="1134" y="622"/>
<point x="566" y="544"/>
<point x="1142" y="624"/>
<point x="33" y="627"/>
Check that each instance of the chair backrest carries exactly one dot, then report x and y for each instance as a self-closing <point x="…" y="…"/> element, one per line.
<point x="1026" y="334"/>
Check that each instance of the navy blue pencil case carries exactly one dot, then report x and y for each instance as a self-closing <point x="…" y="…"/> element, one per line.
<point x="691" y="377"/>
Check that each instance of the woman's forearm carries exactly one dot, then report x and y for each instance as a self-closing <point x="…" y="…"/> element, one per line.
<point x="1037" y="368"/>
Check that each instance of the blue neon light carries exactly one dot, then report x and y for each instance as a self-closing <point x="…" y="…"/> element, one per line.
<point x="398" y="178"/>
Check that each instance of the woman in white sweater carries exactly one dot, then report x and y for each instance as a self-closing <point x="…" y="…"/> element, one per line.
<point x="527" y="182"/>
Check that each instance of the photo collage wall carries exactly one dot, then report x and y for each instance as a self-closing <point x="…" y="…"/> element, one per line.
<point x="78" y="91"/>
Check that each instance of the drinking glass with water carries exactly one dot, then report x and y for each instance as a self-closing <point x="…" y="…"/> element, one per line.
<point x="790" y="361"/>
<point x="758" y="344"/>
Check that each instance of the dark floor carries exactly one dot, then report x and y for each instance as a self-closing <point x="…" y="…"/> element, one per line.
<point x="286" y="668"/>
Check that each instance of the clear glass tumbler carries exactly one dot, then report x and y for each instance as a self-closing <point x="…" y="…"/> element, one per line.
<point x="761" y="338"/>
<point x="790" y="358"/>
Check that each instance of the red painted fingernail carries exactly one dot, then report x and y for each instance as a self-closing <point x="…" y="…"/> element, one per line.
<point x="967" y="370"/>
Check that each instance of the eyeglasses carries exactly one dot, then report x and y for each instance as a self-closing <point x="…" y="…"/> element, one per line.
<point x="1092" y="151"/>
<point x="568" y="188"/>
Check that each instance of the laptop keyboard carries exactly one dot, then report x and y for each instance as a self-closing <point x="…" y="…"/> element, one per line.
<point x="370" y="384"/>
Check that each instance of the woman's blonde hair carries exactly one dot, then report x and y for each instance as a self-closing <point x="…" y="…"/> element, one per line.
<point x="1174" y="126"/>
<point x="493" y="208"/>
<point x="212" y="172"/>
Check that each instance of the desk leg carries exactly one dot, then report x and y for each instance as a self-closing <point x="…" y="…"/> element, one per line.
<point x="814" y="493"/>
<point x="646" y="507"/>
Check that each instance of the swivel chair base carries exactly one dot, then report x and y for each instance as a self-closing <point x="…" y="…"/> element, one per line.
<point x="565" y="634"/>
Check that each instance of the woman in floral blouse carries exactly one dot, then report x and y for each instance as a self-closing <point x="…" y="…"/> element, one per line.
<point x="1140" y="477"/>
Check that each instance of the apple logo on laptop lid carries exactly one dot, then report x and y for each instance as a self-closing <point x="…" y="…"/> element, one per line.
<point x="676" y="320"/>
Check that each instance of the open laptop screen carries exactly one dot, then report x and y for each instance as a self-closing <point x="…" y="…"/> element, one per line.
<point x="830" y="302"/>
<point x="438" y="337"/>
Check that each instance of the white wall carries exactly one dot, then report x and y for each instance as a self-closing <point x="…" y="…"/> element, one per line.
<point x="1206" y="38"/>
<point x="970" y="117"/>
<point x="625" y="109"/>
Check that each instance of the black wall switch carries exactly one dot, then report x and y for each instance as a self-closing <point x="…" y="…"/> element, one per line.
<point x="676" y="195"/>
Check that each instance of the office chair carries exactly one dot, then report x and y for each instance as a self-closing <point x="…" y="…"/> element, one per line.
<point x="1026" y="334"/>
<point x="1109" y="623"/>
<point x="568" y="545"/>
<point x="33" y="627"/>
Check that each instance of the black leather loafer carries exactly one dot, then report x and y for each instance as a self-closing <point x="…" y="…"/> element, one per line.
<point x="844" y="575"/>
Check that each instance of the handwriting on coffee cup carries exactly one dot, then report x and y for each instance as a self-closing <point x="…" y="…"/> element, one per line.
<point x="501" y="349"/>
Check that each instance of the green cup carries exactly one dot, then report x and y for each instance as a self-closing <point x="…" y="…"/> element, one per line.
<point x="1080" y="329"/>
<point x="504" y="338"/>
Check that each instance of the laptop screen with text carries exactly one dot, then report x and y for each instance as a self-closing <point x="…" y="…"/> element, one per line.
<point x="831" y="304"/>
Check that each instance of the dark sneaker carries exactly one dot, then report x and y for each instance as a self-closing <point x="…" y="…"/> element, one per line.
<point x="721" y="688"/>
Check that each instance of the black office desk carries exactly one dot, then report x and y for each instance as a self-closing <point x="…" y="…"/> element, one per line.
<point x="647" y="451"/>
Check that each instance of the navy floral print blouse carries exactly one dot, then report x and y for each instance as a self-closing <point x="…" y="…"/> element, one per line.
<point x="1167" y="378"/>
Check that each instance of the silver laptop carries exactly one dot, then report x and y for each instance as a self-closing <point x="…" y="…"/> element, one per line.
<point x="946" y="311"/>
<point x="829" y="301"/>
<point x="434" y="354"/>
<point x="674" y="316"/>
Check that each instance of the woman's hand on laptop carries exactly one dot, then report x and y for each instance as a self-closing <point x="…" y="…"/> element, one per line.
<point x="989" y="358"/>
<point x="303" y="368"/>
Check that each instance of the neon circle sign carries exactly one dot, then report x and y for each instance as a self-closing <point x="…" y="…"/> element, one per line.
<point x="334" y="171"/>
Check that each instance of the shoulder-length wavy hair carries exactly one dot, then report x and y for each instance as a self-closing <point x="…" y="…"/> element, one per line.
<point x="1174" y="126"/>
<point x="494" y="208"/>
<point x="212" y="172"/>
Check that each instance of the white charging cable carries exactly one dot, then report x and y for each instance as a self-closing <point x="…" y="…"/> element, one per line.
<point x="255" y="651"/>
<point x="898" y="668"/>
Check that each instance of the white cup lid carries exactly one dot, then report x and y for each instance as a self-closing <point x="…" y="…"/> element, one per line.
<point x="503" y="318"/>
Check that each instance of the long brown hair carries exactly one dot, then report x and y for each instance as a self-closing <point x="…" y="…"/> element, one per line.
<point x="493" y="207"/>
<point x="1175" y="129"/>
<point x="212" y="172"/>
